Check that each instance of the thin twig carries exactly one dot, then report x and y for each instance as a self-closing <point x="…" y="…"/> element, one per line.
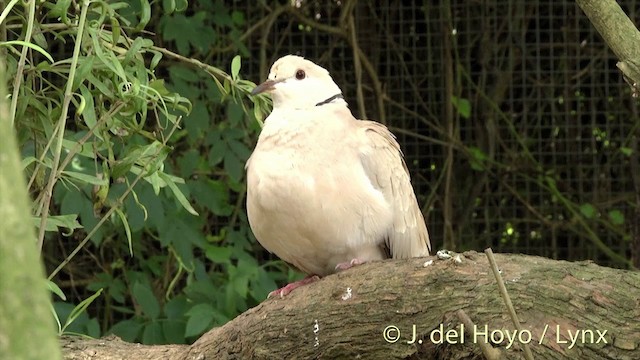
<point x="115" y="206"/>
<point x="397" y="130"/>
<point x="62" y="121"/>
<point x="377" y="85"/>
<point x="17" y="81"/>
<point x="263" y="41"/>
<point x="366" y="64"/>
<point x="233" y="47"/>
<point x="431" y="123"/>
<point x="591" y="234"/>
<point x="76" y="148"/>
<point x="489" y="352"/>
<point x="314" y="24"/>
<point x="78" y="145"/>
<point x="357" y="67"/>
<point x="450" y="120"/>
<point x="507" y="300"/>
<point x="400" y="53"/>
<point x="208" y="68"/>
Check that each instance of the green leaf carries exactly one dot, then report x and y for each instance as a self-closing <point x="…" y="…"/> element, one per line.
<point x="247" y="268"/>
<point x="145" y="14"/>
<point x="175" y="308"/>
<point x="463" y="106"/>
<point x="261" y="285"/>
<point x="173" y="331"/>
<point x="159" y="86"/>
<point x="89" y="179"/>
<point x="626" y="150"/>
<point x="100" y="85"/>
<point x="181" y="5"/>
<point x="200" y="318"/>
<point x="121" y="167"/>
<point x="189" y="31"/>
<point x="152" y="333"/>
<point x="157" y="56"/>
<point x="258" y="114"/>
<point x="143" y="295"/>
<point x="616" y="217"/>
<point x="154" y="179"/>
<point x="80" y="308"/>
<point x="150" y="157"/>
<point x="60" y="10"/>
<point x="168" y="6"/>
<point x="127" y="229"/>
<point x="55" y="317"/>
<point x="54" y="223"/>
<point x="212" y="195"/>
<point x="219" y="254"/>
<point x="235" y="67"/>
<point x="29" y="45"/>
<point x="134" y="50"/>
<point x="28" y="160"/>
<point x="238" y="18"/>
<point x="6" y="11"/>
<point x="178" y="194"/>
<point x="54" y="288"/>
<point x="109" y="59"/>
<point x="478" y="159"/>
<point x="82" y="72"/>
<point x="588" y="210"/>
<point x="85" y="150"/>
<point x="217" y="152"/>
<point x="89" y="113"/>
<point x="235" y="114"/>
<point x="234" y="166"/>
<point x="115" y="30"/>
<point x="239" y="149"/>
<point x="127" y="330"/>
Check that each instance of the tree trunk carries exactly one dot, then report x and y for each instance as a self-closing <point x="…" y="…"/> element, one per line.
<point x="24" y="311"/>
<point x="567" y="310"/>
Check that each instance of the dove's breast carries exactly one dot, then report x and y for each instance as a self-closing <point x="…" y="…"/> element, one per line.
<point x="309" y="200"/>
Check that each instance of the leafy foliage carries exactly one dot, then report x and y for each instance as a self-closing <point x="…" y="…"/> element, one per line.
<point x="134" y="154"/>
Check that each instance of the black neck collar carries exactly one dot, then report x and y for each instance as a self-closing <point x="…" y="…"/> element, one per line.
<point x="336" y="96"/>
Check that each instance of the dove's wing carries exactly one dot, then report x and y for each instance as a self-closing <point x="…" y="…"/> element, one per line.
<point x="384" y="165"/>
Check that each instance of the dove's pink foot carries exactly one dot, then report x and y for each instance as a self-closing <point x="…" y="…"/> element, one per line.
<point x="350" y="264"/>
<point x="285" y="290"/>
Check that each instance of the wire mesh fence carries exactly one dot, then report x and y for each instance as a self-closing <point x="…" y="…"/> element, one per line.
<point x="518" y="129"/>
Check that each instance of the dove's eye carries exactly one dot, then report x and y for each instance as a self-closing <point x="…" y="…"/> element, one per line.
<point x="300" y="74"/>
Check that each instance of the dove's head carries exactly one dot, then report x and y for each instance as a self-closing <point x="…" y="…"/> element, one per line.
<point x="297" y="83"/>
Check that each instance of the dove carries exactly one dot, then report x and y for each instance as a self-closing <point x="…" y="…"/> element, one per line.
<point x="327" y="191"/>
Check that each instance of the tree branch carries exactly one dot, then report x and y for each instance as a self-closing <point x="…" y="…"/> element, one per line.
<point x="554" y="300"/>
<point x="618" y="32"/>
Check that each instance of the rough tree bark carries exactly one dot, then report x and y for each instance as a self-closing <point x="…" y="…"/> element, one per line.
<point x="24" y="313"/>
<point x="345" y="315"/>
<point x="619" y="33"/>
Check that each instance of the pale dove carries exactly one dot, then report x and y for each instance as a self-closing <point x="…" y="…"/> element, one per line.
<point x="326" y="191"/>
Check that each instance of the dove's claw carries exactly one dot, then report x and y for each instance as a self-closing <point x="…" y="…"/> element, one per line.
<point x="285" y="290"/>
<point x="350" y="264"/>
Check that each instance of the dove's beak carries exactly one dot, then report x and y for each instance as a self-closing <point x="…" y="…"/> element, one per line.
<point x="265" y="86"/>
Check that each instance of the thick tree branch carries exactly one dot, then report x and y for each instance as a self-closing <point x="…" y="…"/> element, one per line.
<point x="345" y="315"/>
<point x="618" y="32"/>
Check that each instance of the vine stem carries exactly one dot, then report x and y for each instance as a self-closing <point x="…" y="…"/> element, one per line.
<point x="62" y="124"/>
<point x="17" y="81"/>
